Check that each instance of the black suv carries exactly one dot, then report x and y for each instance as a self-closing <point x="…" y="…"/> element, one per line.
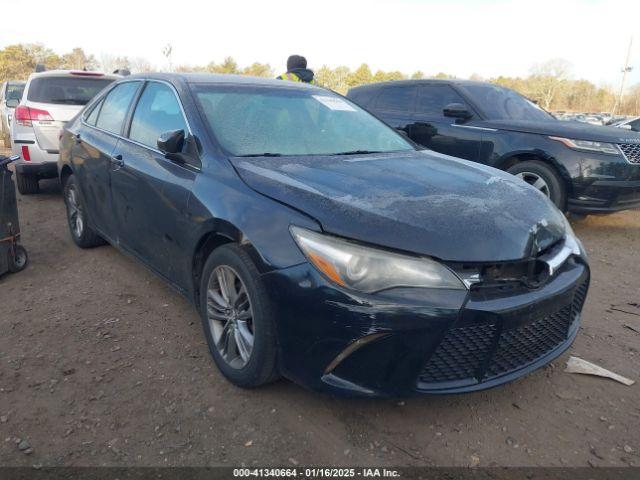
<point x="582" y="168"/>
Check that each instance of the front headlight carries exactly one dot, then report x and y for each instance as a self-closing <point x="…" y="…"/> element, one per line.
<point x="371" y="270"/>
<point x="589" y="146"/>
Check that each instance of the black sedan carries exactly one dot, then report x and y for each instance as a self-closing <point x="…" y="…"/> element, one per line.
<point x="317" y="243"/>
<point x="583" y="168"/>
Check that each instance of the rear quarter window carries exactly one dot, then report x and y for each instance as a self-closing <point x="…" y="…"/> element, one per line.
<point x="65" y="90"/>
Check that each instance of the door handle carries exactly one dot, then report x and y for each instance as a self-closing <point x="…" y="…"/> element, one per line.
<point x="117" y="161"/>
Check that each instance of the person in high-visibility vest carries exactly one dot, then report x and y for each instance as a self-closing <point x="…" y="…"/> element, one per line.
<point x="297" y="70"/>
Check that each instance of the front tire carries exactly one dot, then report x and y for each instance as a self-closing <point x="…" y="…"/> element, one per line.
<point x="237" y="318"/>
<point x="83" y="235"/>
<point x="543" y="177"/>
<point x="27" y="184"/>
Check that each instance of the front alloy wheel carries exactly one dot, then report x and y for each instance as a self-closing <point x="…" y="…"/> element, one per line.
<point x="543" y="177"/>
<point x="237" y="317"/>
<point x="535" y="181"/>
<point x="230" y="316"/>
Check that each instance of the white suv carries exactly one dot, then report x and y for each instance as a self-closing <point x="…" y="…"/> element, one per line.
<point x="49" y="101"/>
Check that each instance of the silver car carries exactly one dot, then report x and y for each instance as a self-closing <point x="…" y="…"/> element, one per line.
<point x="10" y="95"/>
<point x="50" y="100"/>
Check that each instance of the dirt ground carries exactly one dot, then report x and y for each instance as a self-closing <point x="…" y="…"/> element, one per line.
<point x="101" y="363"/>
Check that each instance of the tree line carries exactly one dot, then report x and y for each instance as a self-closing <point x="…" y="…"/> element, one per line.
<point x="550" y="84"/>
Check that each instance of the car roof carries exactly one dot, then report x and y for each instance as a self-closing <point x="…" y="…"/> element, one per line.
<point x="74" y="73"/>
<point x="196" y="78"/>
<point x="422" y="81"/>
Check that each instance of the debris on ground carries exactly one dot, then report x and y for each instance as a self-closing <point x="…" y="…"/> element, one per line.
<point x="634" y="327"/>
<point x="578" y="365"/>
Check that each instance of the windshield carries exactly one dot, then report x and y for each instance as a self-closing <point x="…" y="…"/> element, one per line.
<point x="14" y="91"/>
<point x="256" y="121"/>
<point x="65" y="90"/>
<point x="499" y="103"/>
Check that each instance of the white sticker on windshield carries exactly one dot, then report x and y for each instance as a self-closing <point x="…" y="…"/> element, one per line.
<point x="334" y="103"/>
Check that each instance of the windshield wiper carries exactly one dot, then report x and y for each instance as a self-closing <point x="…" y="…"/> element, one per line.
<point x="266" y="154"/>
<point x="356" y="152"/>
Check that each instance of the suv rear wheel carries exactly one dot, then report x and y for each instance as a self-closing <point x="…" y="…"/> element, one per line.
<point x="83" y="235"/>
<point x="543" y="177"/>
<point x="27" y="184"/>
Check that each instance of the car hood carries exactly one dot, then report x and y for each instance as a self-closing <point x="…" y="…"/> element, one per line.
<point x="567" y="129"/>
<point x="421" y="202"/>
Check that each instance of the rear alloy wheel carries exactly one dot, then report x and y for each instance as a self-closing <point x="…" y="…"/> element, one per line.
<point x="544" y="178"/>
<point x="237" y="318"/>
<point x="83" y="235"/>
<point x="27" y="184"/>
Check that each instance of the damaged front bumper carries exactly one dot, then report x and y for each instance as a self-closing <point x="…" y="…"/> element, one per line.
<point x="409" y="341"/>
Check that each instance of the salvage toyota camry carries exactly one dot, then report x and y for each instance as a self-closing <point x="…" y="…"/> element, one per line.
<point x="319" y="244"/>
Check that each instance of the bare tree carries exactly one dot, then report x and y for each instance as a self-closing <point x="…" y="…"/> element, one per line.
<point x="167" y="51"/>
<point x="110" y="63"/>
<point x="140" y="65"/>
<point x="548" y="78"/>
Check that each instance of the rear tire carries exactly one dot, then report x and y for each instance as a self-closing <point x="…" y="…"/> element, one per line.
<point x="81" y="233"/>
<point x="18" y="261"/>
<point x="247" y="312"/>
<point x="543" y="177"/>
<point x="27" y="184"/>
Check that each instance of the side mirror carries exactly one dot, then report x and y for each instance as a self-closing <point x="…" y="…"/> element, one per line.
<point x="171" y="142"/>
<point x="12" y="103"/>
<point x="457" y="110"/>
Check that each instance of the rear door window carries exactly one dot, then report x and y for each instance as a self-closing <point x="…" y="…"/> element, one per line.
<point x="433" y="98"/>
<point x="65" y="90"/>
<point x="158" y="111"/>
<point x="115" y="106"/>
<point x="397" y="98"/>
<point x="364" y="98"/>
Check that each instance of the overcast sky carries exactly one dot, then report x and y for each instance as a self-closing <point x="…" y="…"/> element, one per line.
<point x="488" y="37"/>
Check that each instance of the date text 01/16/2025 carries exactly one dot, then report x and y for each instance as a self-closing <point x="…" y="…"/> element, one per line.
<point x="316" y="472"/>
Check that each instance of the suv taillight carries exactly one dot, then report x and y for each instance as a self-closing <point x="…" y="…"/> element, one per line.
<point x="25" y="115"/>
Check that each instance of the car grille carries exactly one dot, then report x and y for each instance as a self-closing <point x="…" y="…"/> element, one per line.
<point x="526" y="344"/>
<point x="480" y="352"/>
<point x="631" y="151"/>
<point x="460" y="354"/>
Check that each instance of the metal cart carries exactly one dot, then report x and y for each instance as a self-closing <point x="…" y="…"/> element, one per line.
<point x="13" y="257"/>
